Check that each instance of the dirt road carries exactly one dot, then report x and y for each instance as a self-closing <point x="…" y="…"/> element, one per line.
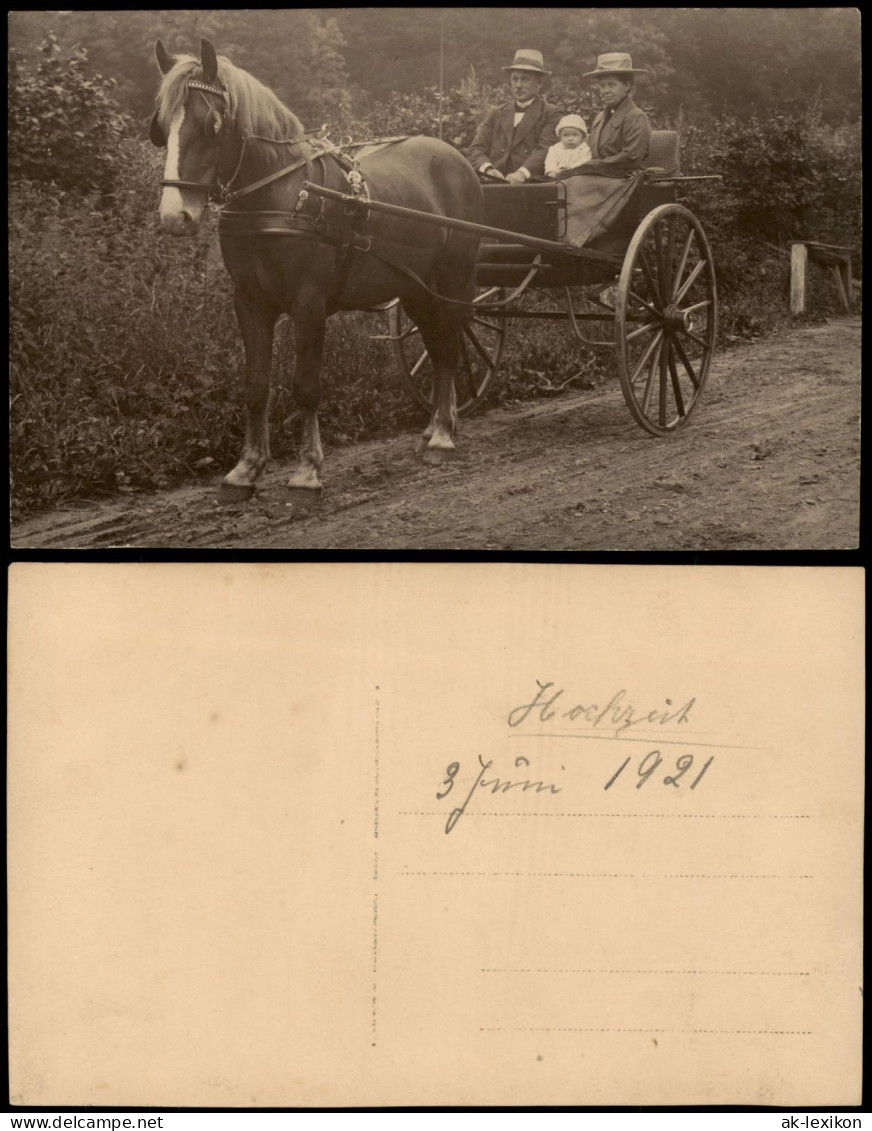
<point x="769" y="461"/>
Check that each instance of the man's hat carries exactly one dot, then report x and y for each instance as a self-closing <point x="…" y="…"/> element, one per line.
<point x="574" y="120"/>
<point x="527" y="60"/>
<point x="615" y="63"/>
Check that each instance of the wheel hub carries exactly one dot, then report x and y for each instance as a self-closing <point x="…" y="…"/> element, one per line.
<point x="675" y="319"/>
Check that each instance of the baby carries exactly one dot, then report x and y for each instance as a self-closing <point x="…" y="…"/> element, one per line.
<point x="571" y="148"/>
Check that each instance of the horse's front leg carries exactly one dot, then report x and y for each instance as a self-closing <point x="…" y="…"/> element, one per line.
<point x="257" y="320"/>
<point x="310" y="319"/>
<point x="439" y="334"/>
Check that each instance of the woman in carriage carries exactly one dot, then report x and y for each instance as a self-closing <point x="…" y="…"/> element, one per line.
<point x="621" y="134"/>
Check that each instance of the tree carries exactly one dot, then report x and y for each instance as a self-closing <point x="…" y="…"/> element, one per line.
<point x="296" y="51"/>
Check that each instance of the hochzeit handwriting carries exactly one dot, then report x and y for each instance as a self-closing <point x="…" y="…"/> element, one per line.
<point x="617" y="714"/>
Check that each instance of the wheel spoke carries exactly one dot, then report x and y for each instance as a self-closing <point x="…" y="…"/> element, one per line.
<point x="689" y="281"/>
<point x="697" y="306"/>
<point x="649" y="349"/>
<point x="682" y="263"/>
<point x="663" y="352"/>
<point x="649" y="277"/>
<point x="661" y="265"/>
<point x="670" y="256"/>
<point x="484" y="322"/>
<point x="480" y="349"/>
<point x="413" y="372"/>
<point x="642" y="330"/>
<point x="676" y="387"/>
<point x="647" y="305"/>
<point x="695" y="338"/>
<point x="652" y="371"/>
<point x="679" y="349"/>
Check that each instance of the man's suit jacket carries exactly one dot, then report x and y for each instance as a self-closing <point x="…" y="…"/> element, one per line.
<point x="620" y="145"/>
<point x="496" y="139"/>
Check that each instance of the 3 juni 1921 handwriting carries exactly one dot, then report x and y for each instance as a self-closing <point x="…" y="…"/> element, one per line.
<point x="646" y="768"/>
<point x="617" y="715"/>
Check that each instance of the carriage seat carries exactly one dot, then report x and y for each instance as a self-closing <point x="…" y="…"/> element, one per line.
<point x="664" y="154"/>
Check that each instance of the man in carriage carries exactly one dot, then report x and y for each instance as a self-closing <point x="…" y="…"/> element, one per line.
<point x="511" y="143"/>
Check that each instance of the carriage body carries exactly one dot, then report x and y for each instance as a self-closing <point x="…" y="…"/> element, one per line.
<point x="544" y="211"/>
<point x="638" y="263"/>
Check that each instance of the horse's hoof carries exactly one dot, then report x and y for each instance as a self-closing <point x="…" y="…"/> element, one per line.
<point x="302" y="496"/>
<point x="230" y="493"/>
<point x="436" y="456"/>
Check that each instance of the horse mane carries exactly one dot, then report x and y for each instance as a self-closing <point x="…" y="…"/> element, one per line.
<point x="253" y="107"/>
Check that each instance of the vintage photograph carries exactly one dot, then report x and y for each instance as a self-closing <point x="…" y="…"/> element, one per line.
<point x="519" y="279"/>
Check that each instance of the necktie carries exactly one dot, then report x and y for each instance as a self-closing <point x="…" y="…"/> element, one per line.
<point x="519" y="112"/>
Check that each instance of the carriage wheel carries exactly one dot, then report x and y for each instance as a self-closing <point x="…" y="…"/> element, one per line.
<point x="665" y="319"/>
<point x="481" y="347"/>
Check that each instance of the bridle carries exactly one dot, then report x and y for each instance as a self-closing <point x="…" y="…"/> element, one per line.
<point x="156" y="132"/>
<point x="219" y="192"/>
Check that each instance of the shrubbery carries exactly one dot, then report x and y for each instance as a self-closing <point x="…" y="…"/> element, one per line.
<point x="64" y="125"/>
<point x="125" y="355"/>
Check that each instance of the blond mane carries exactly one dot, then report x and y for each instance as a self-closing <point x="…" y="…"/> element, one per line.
<point x="253" y="107"/>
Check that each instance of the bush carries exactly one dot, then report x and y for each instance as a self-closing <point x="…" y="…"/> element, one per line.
<point x="784" y="178"/>
<point x="64" y="127"/>
<point x="110" y="387"/>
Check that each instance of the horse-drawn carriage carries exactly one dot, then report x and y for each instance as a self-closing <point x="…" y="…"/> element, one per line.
<point x="621" y="253"/>
<point x="313" y="227"/>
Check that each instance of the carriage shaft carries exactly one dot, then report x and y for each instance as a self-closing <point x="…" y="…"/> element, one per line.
<point x="604" y="317"/>
<point x="464" y="226"/>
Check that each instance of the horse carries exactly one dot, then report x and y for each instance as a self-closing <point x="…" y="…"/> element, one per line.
<point x="289" y="251"/>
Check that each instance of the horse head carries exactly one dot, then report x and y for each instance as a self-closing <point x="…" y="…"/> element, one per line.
<point x="192" y="122"/>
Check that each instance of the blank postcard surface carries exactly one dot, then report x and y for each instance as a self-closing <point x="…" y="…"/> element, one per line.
<point x="394" y="834"/>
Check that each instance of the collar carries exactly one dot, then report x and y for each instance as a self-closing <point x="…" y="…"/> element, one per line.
<point x="524" y="105"/>
<point x="619" y="112"/>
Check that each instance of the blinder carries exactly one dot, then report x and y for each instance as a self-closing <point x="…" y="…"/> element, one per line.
<point x="212" y="124"/>
<point x="211" y="127"/>
<point x="158" y="137"/>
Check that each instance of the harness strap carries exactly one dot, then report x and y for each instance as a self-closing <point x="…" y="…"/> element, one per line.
<point x="247" y="224"/>
<point x="230" y="197"/>
<point x="331" y="149"/>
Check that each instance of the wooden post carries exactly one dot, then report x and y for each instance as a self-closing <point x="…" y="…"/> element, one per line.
<point x="849" y="281"/>
<point x="840" y="286"/>
<point x="798" y="271"/>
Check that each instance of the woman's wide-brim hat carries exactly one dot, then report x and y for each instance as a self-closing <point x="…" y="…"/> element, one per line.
<point x="615" y="63"/>
<point x="527" y="60"/>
